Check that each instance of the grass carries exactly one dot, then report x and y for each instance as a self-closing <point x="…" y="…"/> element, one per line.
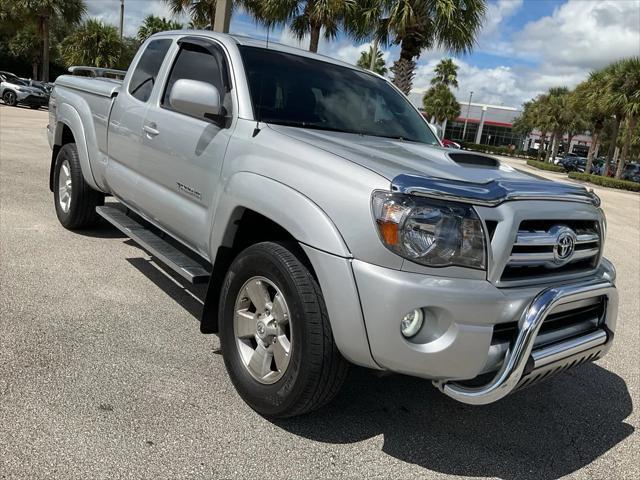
<point x="606" y="181"/>
<point x="545" y="166"/>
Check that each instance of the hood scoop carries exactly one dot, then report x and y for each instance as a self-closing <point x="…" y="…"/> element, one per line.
<point x="474" y="160"/>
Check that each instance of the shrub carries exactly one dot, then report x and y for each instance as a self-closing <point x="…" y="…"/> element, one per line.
<point x="476" y="147"/>
<point x="544" y="166"/>
<point x="606" y="181"/>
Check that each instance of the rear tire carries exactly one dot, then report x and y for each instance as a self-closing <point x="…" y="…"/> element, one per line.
<point x="314" y="368"/>
<point x="75" y="201"/>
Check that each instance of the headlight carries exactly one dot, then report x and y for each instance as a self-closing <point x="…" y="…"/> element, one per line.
<point x="430" y="232"/>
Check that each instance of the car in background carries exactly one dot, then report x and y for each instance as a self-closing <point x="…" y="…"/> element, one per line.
<point x="16" y="91"/>
<point x="631" y="172"/>
<point x="450" y="144"/>
<point x="569" y="163"/>
<point x="561" y="156"/>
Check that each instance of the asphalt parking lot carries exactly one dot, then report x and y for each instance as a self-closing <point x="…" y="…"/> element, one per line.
<point x="104" y="374"/>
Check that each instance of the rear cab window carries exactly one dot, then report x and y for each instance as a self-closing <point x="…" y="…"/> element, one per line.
<point x="146" y="70"/>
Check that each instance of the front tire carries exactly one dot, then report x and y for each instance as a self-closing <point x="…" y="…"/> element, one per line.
<point x="276" y="339"/>
<point x="10" y="98"/>
<point x="75" y="201"/>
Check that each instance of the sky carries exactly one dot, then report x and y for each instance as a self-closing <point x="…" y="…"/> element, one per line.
<point x="525" y="46"/>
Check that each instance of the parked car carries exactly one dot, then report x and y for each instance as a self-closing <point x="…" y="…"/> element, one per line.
<point x="631" y="172"/>
<point x="573" y="164"/>
<point x="561" y="156"/>
<point x="450" y="144"/>
<point x="16" y="91"/>
<point x="330" y="225"/>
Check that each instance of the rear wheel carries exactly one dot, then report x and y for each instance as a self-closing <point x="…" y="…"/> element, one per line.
<point x="10" y="98"/>
<point x="75" y="201"/>
<point x="276" y="338"/>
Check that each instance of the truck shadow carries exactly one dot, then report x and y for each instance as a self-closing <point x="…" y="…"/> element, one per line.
<point x="543" y="432"/>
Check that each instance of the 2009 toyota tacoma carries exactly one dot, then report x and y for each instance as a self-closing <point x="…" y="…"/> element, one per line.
<point x="330" y="224"/>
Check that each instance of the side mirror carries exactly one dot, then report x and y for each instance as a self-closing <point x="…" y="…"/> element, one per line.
<point x="195" y="98"/>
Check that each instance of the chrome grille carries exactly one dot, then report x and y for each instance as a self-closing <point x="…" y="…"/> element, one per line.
<point x="537" y="250"/>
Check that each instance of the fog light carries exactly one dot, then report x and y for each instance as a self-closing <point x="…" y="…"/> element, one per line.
<point x="411" y="323"/>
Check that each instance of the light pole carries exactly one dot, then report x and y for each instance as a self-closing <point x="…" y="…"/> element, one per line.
<point x="121" y="18"/>
<point x="464" y="130"/>
<point x="223" y="16"/>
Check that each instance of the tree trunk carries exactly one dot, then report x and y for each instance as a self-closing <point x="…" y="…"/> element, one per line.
<point x="632" y="122"/>
<point x="45" y="49"/>
<point x="614" y="143"/>
<point x="543" y="135"/>
<point x="374" y="55"/>
<point x="551" y="146"/>
<point x="556" y="146"/>
<point x="592" y="150"/>
<point x="404" y="68"/>
<point x="34" y="69"/>
<point x="314" y="38"/>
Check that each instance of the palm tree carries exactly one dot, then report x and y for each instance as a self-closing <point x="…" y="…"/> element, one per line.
<point x="153" y="24"/>
<point x="308" y="17"/>
<point x="365" y="61"/>
<point x="416" y="25"/>
<point x="623" y="81"/>
<point x="589" y="96"/>
<point x="43" y="12"/>
<point x="440" y="103"/>
<point x="94" y="43"/>
<point x="554" y="117"/>
<point x="25" y="44"/>
<point x="446" y="72"/>
<point x="202" y="12"/>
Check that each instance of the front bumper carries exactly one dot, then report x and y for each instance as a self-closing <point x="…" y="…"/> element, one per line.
<point x="457" y="342"/>
<point x="31" y="99"/>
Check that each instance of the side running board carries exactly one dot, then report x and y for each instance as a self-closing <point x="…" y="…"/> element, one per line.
<point x="168" y="254"/>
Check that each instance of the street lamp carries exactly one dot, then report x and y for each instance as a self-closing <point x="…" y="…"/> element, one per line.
<point x="464" y="130"/>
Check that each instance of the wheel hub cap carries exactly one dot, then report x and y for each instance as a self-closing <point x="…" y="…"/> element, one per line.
<point x="262" y="330"/>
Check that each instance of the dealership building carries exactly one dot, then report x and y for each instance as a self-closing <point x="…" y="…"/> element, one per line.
<point x="493" y="125"/>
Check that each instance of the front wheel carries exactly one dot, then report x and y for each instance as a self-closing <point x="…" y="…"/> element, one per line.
<point x="276" y="338"/>
<point x="75" y="201"/>
<point x="10" y="98"/>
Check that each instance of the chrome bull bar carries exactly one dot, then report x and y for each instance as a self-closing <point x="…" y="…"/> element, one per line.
<point x="520" y="361"/>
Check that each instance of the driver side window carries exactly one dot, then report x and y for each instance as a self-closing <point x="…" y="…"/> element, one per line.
<point x="195" y="62"/>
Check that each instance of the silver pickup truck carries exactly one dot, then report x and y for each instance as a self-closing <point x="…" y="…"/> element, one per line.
<point x="330" y="224"/>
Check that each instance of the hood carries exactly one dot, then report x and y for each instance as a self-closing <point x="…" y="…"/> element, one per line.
<point x="391" y="157"/>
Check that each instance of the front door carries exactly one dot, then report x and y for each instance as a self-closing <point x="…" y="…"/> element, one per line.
<point x="181" y="157"/>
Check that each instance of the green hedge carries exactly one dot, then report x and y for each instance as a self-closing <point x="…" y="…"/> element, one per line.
<point x="606" y="181"/>
<point x="476" y="147"/>
<point x="544" y="166"/>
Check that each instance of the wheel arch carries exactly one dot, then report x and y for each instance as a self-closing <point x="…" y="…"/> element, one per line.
<point x="69" y="129"/>
<point x="248" y="216"/>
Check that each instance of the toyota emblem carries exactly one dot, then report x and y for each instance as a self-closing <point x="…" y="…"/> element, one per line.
<point x="565" y="245"/>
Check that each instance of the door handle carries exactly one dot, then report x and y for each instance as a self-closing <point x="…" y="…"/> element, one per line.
<point x="151" y="130"/>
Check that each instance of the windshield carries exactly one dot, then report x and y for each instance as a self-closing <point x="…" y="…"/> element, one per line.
<point x="10" y="78"/>
<point x="301" y="92"/>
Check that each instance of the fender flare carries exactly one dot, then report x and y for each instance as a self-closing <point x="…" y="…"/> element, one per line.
<point x="293" y="211"/>
<point x="69" y="117"/>
<point x="305" y="221"/>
